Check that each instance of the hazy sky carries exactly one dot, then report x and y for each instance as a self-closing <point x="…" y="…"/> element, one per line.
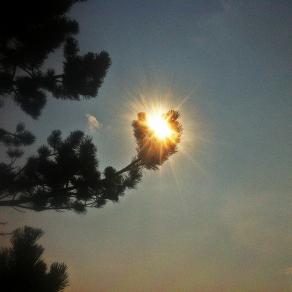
<point x="218" y="217"/>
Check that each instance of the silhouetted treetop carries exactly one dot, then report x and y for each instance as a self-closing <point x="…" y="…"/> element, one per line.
<point x="64" y="175"/>
<point x="37" y="29"/>
<point x="23" y="269"/>
<point x="152" y="152"/>
<point x="14" y="140"/>
<point x="20" y="137"/>
<point x="33" y="30"/>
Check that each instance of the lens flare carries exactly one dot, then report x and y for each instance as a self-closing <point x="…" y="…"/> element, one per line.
<point x="159" y="125"/>
<point x="163" y="126"/>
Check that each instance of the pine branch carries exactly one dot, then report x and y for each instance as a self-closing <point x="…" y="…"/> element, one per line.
<point x="5" y="233"/>
<point x="58" y="76"/>
<point x="129" y="166"/>
<point x="23" y="68"/>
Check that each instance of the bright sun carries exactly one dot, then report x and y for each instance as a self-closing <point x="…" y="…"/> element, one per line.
<point x="160" y="126"/>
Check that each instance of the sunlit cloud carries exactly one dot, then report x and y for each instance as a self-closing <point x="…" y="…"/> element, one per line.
<point x="92" y="123"/>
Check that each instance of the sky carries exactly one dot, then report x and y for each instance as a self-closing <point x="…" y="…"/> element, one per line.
<point x="217" y="216"/>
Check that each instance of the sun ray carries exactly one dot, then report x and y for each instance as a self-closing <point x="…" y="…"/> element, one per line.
<point x="156" y="101"/>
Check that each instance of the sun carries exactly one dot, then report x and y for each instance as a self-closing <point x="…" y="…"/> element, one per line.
<point x="159" y="125"/>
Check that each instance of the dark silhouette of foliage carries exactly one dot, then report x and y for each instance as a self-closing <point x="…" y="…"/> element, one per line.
<point x="23" y="269"/>
<point x="20" y="137"/>
<point x="37" y="29"/>
<point x="151" y="151"/>
<point x="64" y="174"/>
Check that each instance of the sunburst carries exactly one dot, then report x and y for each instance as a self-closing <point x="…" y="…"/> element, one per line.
<point x="159" y="125"/>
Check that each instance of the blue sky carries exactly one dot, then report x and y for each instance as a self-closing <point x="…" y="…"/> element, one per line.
<point x="223" y="221"/>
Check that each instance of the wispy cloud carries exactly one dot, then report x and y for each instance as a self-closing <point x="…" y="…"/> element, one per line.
<point x="92" y="123"/>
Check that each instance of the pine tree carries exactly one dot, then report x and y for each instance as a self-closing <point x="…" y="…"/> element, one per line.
<point x="23" y="269"/>
<point x="37" y="29"/>
<point x="64" y="173"/>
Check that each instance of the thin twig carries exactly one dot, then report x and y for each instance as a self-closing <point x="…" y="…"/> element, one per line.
<point x="5" y="233"/>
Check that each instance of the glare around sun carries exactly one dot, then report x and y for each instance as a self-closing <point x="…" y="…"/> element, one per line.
<point x="159" y="126"/>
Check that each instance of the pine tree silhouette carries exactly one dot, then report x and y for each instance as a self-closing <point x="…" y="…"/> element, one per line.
<point x="64" y="174"/>
<point x="23" y="269"/>
<point x="37" y="29"/>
